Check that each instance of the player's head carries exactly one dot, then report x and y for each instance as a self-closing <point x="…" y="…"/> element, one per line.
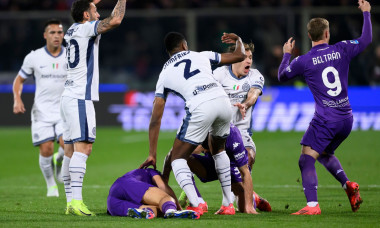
<point x="84" y="10"/>
<point x="175" y="42"/>
<point x="242" y="68"/>
<point x="318" y="29"/>
<point x="53" y="33"/>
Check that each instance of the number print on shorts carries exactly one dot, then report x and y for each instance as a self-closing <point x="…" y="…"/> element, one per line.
<point x="335" y="88"/>
<point x="186" y="73"/>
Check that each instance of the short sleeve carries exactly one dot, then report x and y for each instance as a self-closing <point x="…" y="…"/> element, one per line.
<point x="257" y="80"/>
<point x="218" y="74"/>
<point x="154" y="172"/>
<point x="160" y="88"/>
<point x="90" y="28"/>
<point x="214" y="57"/>
<point x="27" y="68"/>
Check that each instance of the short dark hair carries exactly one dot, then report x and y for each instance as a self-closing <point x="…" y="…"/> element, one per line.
<point x="52" y="21"/>
<point x="316" y="28"/>
<point x="78" y="7"/>
<point x="173" y="40"/>
<point x="247" y="47"/>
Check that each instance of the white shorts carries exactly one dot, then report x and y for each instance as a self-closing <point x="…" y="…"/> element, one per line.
<point x="44" y="131"/>
<point x="212" y="116"/>
<point x="78" y="116"/>
<point x="247" y="139"/>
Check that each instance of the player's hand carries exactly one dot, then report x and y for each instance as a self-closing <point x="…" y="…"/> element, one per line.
<point x="96" y="1"/>
<point x="289" y="46"/>
<point x="150" y="161"/>
<point x="364" y="6"/>
<point x="251" y="210"/>
<point x="229" y="38"/>
<point x="18" y="107"/>
<point x="242" y="108"/>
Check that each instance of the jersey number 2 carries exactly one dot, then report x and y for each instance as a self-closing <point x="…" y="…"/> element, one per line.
<point x="332" y="85"/>
<point x="186" y="73"/>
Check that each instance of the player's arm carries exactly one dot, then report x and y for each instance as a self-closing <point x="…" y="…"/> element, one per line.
<point x="366" y="38"/>
<point x="252" y="96"/>
<point x="166" y="170"/>
<point x="248" y="190"/>
<point x="239" y="53"/>
<point x="114" y="19"/>
<point x="154" y="130"/>
<point x="166" y="188"/>
<point x="286" y="71"/>
<point x="18" y="105"/>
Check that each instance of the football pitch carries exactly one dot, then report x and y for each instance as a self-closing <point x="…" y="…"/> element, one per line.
<point x="276" y="177"/>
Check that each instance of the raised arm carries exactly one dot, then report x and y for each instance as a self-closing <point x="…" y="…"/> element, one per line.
<point x="366" y="38"/>
<point x="154" y="130"/>
<point x="18" y="105"/>
<point x="114" y="19"/>
<point x="238" y="55"/>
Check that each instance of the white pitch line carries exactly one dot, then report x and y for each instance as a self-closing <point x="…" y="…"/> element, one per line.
<point x="372" y="186"/>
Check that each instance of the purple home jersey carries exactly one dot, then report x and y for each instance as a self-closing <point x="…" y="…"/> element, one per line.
<point x="128" y="191"/>
<point x="325" y="69"/>
<point x="236" y="152"/>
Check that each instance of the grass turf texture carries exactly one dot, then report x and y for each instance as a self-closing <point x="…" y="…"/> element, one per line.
<point x="276" y="177"/>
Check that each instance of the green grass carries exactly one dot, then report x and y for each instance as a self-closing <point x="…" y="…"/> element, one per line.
<point x="276" y="177"/>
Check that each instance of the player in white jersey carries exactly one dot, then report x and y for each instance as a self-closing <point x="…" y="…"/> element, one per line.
<point x="243" y="86"/>
<point x="188" y="74"/>
<point x="81" y="89"/>
<point x="47" y="66"/>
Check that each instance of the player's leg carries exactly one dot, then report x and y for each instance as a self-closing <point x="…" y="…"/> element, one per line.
<point x="46" y="166"/>
<point x="58" y="158"/>
<point x="219" y="132"/>
<point x="249" y="146"/>
<point x="69" y="150"/>
<point x="180" y="153"/>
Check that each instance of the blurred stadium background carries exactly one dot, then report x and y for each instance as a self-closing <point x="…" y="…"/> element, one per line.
<point x="131" y="57"/>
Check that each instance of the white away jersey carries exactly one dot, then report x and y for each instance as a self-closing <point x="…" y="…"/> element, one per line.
<point x="49" y="73"/>
<point x="188" y="74"/>
<point x="237" y="91"/>
<point x="82" y="61"/>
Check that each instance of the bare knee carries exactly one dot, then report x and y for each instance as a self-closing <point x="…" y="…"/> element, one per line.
<point x="47" y="149"/>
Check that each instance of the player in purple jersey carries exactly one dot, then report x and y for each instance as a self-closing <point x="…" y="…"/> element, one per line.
<point x="141" y="193"/>
<point x="203" y="166"/>
<point x="325" y="69"/>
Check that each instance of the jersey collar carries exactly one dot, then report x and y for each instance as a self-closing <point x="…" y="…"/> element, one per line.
<point x="47" y="51"/>
<point x="233" y="75"/>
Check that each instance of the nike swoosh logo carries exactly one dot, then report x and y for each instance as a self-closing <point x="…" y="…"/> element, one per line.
<point x="43" y="66"/>
<point x="84" y="213"/>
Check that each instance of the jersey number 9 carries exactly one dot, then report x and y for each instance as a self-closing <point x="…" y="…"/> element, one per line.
<point x="336" y="85"/>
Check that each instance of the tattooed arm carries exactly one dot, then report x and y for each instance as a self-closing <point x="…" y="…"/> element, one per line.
<point x="114" y="20"/>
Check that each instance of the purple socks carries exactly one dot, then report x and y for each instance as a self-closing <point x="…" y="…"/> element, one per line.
<point x="168" y="205"/>
<point x="332" y="164"/>
<point x="309" y="177"/>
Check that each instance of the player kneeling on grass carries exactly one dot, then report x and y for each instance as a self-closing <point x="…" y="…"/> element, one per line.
<point x="141" y="193"/>
<point x="242" y="188"/>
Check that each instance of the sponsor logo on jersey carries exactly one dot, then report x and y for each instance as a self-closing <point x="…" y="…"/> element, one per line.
<point x="239" y="155"/>
<point x="237" y="96"/>
<point x="202" y="88"/>
<point x="354" y="41"/>
<point x="246" y="87"/>
<point x="236" y="144"/>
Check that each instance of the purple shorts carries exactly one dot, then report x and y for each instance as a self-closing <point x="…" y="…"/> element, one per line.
<point x="208" y="163"/>
<point x="326" y="137"/>
<point x="126" y="193"/>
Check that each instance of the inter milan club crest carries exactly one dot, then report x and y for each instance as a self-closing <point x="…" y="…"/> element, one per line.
<point x="246" y="87"/>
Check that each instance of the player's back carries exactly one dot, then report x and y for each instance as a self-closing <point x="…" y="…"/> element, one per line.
<point x="82" y="58"/>
<point x="188" y="74"/>
<point x="144" y="175"/>
<point x="326" y="73"/>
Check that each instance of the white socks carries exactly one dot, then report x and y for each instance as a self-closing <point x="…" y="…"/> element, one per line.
<point x="312" y="204"/>
<point x="183" y="176"/>
<point x="77" y="169"/>
<point x="47" y="170"/>
<point x="66" y="178"/>
<point x="222" y="167"/>
<point x="61" y="153"/>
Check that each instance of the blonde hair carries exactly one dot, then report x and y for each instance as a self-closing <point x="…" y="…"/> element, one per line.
<point x="316" y="28"/>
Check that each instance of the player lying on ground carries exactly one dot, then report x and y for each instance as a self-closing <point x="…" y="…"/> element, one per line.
<point x="141" y="193"/>
<point x="325" y="69"/>
<point x="188" y="74"/>
<point x="241" y="180"/>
